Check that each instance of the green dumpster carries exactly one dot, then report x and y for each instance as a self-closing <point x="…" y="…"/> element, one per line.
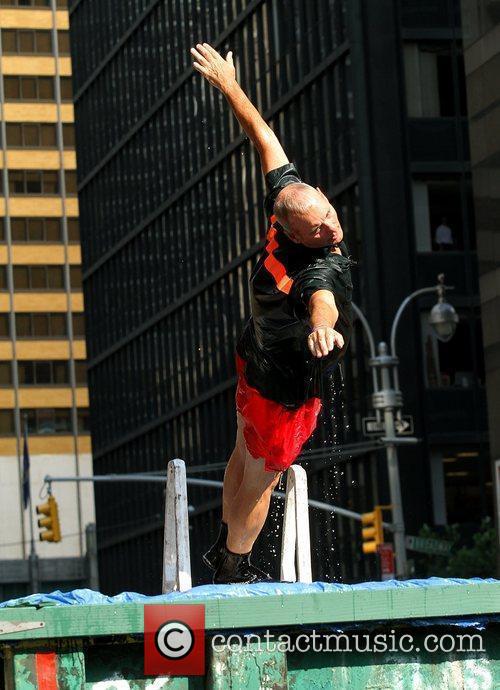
<point x="86" y="640"/>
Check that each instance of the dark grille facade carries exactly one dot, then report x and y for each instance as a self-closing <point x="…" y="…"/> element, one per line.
<point x="171" y="195"/>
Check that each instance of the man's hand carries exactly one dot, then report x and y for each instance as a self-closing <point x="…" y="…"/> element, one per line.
<point x="323" y="339"/>
<point x="218" y="71"/>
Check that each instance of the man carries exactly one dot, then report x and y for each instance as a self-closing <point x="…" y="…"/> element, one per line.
<point x="299" y="329"/>
<point x="444" y="235"/>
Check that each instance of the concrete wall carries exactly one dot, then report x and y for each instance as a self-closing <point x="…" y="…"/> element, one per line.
<point x="72" y="523"/>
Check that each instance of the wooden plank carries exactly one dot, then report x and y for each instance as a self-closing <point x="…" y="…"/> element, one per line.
<point x="303" y="544"/>
<point x="176" y="557"/>
<point x="259" y="611"/>
<point x="289" y="533"/>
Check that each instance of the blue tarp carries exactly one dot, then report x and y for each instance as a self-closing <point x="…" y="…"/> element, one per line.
<point x="88" y="596"/>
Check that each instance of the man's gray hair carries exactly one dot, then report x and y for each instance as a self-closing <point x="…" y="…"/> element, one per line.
<point x="293" y="199"/>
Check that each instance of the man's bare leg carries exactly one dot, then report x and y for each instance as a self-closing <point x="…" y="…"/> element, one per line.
<point x="233" y="473"/>
<point x="250" y="505"/>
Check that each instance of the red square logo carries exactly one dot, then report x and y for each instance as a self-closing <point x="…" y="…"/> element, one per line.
<point x="174" y="639"/>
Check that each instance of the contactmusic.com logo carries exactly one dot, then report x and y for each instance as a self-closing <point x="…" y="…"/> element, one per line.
<point x="174" y="639"/>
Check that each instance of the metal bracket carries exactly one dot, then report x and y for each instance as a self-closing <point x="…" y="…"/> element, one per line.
<point x="12" y="627"/>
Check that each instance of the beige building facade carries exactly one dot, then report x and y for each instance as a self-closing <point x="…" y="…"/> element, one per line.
<point x="42" y="344"/>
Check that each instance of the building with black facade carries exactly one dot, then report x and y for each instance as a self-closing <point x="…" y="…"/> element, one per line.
<point x="368" y="101"/>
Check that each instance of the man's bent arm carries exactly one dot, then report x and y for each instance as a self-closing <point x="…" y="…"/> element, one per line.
<point x="220" y="73"/>
<point x="323" y="315"/>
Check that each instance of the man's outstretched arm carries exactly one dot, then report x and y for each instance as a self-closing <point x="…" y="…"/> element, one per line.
<point x="220" y="73"/>
<point x="323" y="315"/>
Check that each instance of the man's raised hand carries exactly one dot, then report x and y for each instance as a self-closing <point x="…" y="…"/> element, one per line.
<point x="218" y="71"/>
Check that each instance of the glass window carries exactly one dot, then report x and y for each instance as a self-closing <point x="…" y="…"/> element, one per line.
<point x="4" y="326"/>
<point x="6" y="422"/>
<point x="43" y="42"/>
<point x="61" y="373"/>
<point x="83" y="421"/>
<point x="48" y="135"/>
<point x="53" y="229"/>
<point x="14" y="134"/>
<point x="31" y="135"/>
<point x="81" y="372"/>
<point x="28" y="88"/>
<point x="41" y="325"/>
<point x="5" y="374"/>
<point x="11" y="88"/>
<point x="55" y="277"/>
<point x="18" y="229"/>
<point x="9" y="41"/>
<point x="26" y="373"/>
<point x="21" y="278"/>
<point x="45" y="421"/>
<point x="46" y="88"/>
<point x="35" y="230"/>
<point x="73" y="230"/>
<point x="449" y="364"/>
<point x="43" y="373"/>
<point x="66" y="89"/>
<point x="58" y="324"/>
<point x="68" y="135"/>
<point x="75" y="277"/>
<point x="26" y="41"/>
<point x="16" y="182"/>
<point x="2" y="230"/>
<point x="33" y="183"/>
<point x="63" y="42"/>
<point x="70" y="177"/>
<point x="3" y="278"/>
<point x="38" y="276"/>
<point x="78" y="324"/>
<point x="51" y="183"/>
<point x="23" y="325"/>
<point x="62" y="419"/>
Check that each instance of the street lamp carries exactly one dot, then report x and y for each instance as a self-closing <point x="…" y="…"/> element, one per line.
<point x="387" y="399"/>
<point x="443" y="317"/>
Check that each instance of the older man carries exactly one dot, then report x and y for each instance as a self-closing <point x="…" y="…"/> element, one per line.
<point x="299" y="328"/>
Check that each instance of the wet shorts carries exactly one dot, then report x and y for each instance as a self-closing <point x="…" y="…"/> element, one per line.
<point x="272" y="431"/>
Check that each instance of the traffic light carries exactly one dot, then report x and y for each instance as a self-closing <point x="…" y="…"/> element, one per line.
<point x="372" y="531"/>
<point x="50" y="522"/>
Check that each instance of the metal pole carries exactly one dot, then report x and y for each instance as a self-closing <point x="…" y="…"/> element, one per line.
<point x="388" y="400"/>
<point x="33" y="557"/>
<point x="91" y="544"/>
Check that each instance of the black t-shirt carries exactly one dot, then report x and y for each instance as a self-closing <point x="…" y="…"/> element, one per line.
<point x="274" y="342"/>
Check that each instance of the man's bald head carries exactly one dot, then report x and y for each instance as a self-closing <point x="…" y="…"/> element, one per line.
<point x="307" y="216"/>
<point x="294" y="200"/>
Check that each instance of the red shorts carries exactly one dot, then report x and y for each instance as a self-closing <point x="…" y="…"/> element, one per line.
<point x="272" y="431"/>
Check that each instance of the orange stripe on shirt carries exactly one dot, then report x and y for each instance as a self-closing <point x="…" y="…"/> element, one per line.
<point x="276" y="269"/>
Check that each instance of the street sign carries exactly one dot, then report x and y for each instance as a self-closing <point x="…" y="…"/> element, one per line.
<point x="372" y="427"/>
<point x="438" y="547"/>
<point x="386" y="555"/>
<point x="404" y="426"/>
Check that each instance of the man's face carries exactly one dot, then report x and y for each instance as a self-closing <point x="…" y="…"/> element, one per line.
<point x="318" y="226"/>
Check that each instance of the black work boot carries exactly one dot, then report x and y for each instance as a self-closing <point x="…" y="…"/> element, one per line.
<point x="212" y="556"/>
<point x="236" y="568"/>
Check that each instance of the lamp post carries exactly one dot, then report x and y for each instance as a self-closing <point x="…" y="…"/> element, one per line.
<point x="387" y="399"/>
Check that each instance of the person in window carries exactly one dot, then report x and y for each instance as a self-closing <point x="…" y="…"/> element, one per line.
<point x="298" y="331"/>
<point x="444" y="235"/>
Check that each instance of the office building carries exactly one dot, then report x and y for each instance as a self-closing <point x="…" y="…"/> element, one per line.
<point x="42" y="344"/>
<point x="368" y="101"/>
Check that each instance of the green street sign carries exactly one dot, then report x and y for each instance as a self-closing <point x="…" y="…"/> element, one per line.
<point x="439" y="547"/>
